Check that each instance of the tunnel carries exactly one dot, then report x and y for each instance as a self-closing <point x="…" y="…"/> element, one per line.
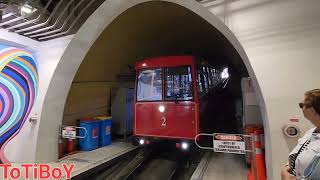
<point x="143" y="32"/>
<point x="101" y="58"/>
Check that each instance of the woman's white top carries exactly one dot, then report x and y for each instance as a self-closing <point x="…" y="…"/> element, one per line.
<point x="307" y="164"/>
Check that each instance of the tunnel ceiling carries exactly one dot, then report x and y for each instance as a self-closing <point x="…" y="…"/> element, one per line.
<point x="155" y="29"/>
<point x="46" y="19"/>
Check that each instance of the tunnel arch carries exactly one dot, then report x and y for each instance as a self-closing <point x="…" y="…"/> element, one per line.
<point x="53" y="106"/>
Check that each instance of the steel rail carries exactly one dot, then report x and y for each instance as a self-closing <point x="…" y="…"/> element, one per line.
<point x="7" y="15"/>
<point x="44" y="23"/>
<point x="18" y="18"/>
<point x="71" y="26"/>
<point x="14" y="20"/>
<point x="64" y="24"/>
<point x="55" y="23"/>
<point x="32" y="20"/>
<point x="199" y="172"/>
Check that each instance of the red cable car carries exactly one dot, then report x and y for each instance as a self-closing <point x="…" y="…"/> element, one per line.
<point x="169" y="97"/>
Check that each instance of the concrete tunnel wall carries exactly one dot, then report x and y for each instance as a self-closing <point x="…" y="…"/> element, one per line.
<point x="273" y="35"/>
<point x="117" y="49"/>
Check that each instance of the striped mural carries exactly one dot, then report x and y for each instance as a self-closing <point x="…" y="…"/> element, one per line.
<point x="18" y="89"/>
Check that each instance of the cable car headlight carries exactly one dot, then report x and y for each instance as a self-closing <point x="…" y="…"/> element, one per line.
<point x="185" y="145"/>
<point x="141" y="141"/>
<point x="161" y="108"/>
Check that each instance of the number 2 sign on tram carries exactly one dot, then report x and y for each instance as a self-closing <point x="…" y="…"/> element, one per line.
<point x="229" y="143"/>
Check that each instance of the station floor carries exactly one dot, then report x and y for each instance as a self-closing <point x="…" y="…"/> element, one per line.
<point x="88" y="160"/>
<point x="220" y="166"/>
<point x="85" y="161"/>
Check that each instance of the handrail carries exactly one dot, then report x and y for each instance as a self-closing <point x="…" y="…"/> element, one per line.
<point x="202" y="134"/>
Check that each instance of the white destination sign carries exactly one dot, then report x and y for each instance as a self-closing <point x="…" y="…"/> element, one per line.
<point x="229" y="143"/>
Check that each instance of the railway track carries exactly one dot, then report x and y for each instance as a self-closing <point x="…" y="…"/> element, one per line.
<point x="202" y="166"/>
<point x="167" y="165"/>
<point x="153" y="163"/>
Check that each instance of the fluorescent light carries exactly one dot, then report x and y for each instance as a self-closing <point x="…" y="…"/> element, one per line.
<point x="225" y="74"/>
<point x="26" y="9"/>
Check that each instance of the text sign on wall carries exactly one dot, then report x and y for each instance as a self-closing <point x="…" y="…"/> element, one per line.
<point x="229" y="143"/>
<point x="69" y="132"/>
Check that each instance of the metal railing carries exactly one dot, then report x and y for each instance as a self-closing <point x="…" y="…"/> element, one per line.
<point x="253" y="151"/>
<point x="65" y="16"/>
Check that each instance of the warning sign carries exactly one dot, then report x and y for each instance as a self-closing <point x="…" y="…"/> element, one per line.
<point x="69" y="132"/>
<point x="229" y="143"/>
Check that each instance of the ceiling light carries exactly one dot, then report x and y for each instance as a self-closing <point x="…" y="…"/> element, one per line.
<point x="26" y="9"/>
<point x="225" y="73"/>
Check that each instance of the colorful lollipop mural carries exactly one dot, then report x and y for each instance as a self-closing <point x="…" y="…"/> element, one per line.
<point x="18" y="89"/>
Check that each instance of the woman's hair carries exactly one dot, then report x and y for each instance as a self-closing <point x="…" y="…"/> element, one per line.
<point x="312" y="99"/>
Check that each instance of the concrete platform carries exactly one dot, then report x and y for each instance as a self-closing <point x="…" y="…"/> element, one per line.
<point x="220" y="166"/>
<point x="85" y="161"/>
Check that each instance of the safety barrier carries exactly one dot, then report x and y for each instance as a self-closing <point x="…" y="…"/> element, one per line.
<point x="248" y="130"/>
<point x="258" y="169"/>
<point x="69" y="132"/>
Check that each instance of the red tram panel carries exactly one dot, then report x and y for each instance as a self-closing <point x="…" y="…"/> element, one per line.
<point x="168" y="97"/>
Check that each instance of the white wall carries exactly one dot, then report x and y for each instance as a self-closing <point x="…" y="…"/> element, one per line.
<point x="23" y="147"/>
<point x="281" y="39"/>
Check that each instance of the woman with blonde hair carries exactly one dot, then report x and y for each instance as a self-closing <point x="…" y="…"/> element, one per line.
<point x="304" y="160"/>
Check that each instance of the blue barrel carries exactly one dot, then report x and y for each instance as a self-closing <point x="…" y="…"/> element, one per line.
<point x="91" y="140"/>
<point x="105" y="131"/>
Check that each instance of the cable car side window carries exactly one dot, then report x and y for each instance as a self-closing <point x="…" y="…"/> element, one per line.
<point x="149" y="87"/>
<point x="178" y="84"/>
<point x="200" y="81"/>
<point x="216" y="77"/>
<point x="205" y="78"/>
<point x="209" y="77"/>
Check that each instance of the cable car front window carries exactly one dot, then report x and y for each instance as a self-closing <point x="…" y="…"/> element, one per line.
<point x="178" y="84"/>
<point x="149" y="87"/>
